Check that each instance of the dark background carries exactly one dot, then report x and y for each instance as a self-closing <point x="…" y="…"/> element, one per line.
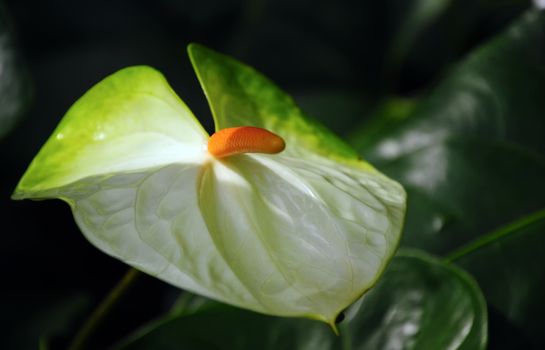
<point x="339" y="59"/>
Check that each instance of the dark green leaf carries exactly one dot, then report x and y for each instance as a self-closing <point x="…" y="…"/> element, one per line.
<point x="217" y="326"/>
<point x="339" y="110"/>
<point x="496" y="93"/>
<point x="416" y="16"/>
<point x="471" y="154"/>
<point x="471" y="157"/>
<point x="385" y="115"/>
<point x="420" y="303"/>
<point x="508" y="263"/>
<point x="461" y="187"/>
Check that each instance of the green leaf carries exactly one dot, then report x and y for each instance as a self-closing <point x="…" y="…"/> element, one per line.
<point x="416" y="16"/>
<point x="471" y="157"/>
<point x="240" y="96"/>
<point x="338" y="109"/>
<point x="495" y="94"/>
<point x="387" y="114"/>
<point x="420" y="303"/>
<point x="477" y="134"/>
<point x="462" y="187"/>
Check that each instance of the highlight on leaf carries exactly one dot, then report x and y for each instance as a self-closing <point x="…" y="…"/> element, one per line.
<point x="300" y="228"/>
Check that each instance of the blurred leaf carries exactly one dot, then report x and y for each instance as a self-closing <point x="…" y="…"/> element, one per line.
<point x="416" y="16"/>
<point x="461" y="155"/>
<point x="456" y="28"/>
<point x="386" y="114"/>
<point x="339" y="110"/>
<point x="420" y="303"/>
<point x="218" y="326"/>
<point x="496" y="93"/>
<point x="14" y="85"/>
<point x="463" y="187"/>
<point x="189" y="303"/>
<point x="471" y="157"/>
<point x="29" y="320"/>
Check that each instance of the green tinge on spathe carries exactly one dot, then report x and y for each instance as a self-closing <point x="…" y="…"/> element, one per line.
<point x="238" y="95"/>
<point x="301" y="233"/>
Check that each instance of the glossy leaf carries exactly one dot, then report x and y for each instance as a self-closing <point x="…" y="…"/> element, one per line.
<point x="495" y="94"/>
<point x="462" y="187"/>
<point x="472" y="159"/>
<point x="420" y="303"/>
<point x="468" y="138"/>
<point x="278" y="234"/>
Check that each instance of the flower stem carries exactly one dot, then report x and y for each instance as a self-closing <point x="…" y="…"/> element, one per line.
<point x="102" y="310"/>
<point x="496" y="235"/>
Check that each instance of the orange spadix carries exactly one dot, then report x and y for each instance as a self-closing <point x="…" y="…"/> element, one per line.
<point x="244" y="139"/>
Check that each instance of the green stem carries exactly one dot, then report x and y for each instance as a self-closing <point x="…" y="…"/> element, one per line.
<point x="102" y="310"/>
<point x="495" y="235"/>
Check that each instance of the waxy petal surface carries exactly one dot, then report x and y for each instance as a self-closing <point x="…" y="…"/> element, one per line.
<point x="305" y="238"/>
<point x="301" y="233"/>
<point x="131" y="120"/>
<point x="151" y="220"/>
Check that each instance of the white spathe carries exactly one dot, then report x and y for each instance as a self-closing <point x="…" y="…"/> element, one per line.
<point x="291" y="234"/>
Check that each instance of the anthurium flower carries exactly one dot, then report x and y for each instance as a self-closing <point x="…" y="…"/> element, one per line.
<point x="272" y="213"/>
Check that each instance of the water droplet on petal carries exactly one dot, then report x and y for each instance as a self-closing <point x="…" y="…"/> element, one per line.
<point x="99" y="136"/>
